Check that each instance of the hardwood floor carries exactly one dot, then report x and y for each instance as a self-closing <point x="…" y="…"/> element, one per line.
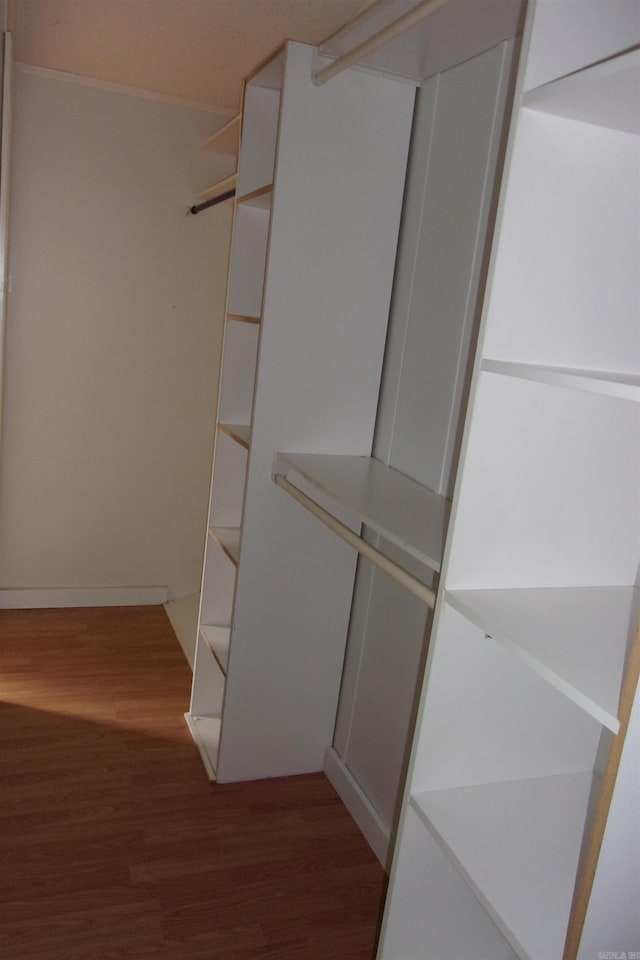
<point x="113" y="843"/>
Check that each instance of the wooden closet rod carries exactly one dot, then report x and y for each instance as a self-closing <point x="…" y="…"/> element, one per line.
<point x="196" y="208"/>
<point x="407" y="20"/>
<point x="406" y="580"/>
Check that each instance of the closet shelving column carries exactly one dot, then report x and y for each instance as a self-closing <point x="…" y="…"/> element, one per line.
<point x="254" y="184"/>
<point x="520" y="834"/>
<point x="309" y="292"/>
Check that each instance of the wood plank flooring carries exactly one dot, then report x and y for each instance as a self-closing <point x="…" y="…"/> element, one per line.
<point x="113" y="843"/>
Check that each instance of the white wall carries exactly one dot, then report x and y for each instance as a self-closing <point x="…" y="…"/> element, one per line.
<point x="113" y="335"/>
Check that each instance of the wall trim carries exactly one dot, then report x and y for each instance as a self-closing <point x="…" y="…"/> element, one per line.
<point x="38" y="598"/>
<point x="371" y="824"/>
<point x="225" y="113"/>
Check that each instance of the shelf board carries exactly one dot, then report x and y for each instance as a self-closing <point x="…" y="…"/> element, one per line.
<point x="575" y="638"/>
<point x="222" y="186"/>
<point x="260" y="198"/>
<point x="242" y="318"/>
<point x="456" y="32"/>
<point x="240" y="432"/>
<point x="625" y="386"/>
<point x="206" y="734"/>
<point x="228" y="539"/>
<point x="217" y="640"/>
<point x="401" y="510"/>
<point x="225" y="140"/>
<point x="607" y="94"/>
<point x="517" y="845"/>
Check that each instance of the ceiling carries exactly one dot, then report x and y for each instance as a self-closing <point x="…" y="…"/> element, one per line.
<point x="195" y="50"/>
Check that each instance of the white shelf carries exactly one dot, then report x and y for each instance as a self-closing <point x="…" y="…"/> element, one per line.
<point x="260" y="198"/>
<point x="517" y="845"/>
<point x="575" y="638"/>
<point x="625" y="386"/>
<point x="404" y="512"/>
<point x="225" y="140"/>
<point x="607" y="94"/>
<point x="456" y="31"/>
<point x="217" y="640"/>
<point x="228" y="539"/>
<point x="242" y="318"/>
<point x="206" y="734"/>
<point x="222" y="186"/>
<point x="240" y="432"/>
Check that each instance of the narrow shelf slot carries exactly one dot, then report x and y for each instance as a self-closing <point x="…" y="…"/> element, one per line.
<point x="531" y="830"/>
<point x="404" y="512"/>
<point x="260" y="120"/>
<point x="260" y="198"/>
<point x="228" y="539"/>
<point x="624" y="386"/>
<point x="217" y="640"/>
<point x="225" y="140"/>
<point x="575" y="638"/>
<point x="606" y="94"/>
<point x="206" y="734"/>
<point x="248" y="261"/>
<point x="240" y="355"/>
<point x="240" y="432"/>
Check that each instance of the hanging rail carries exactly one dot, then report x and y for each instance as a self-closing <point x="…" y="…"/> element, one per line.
<point x="197" y="207"/>
<point x="407" y="20"/>
<point x="406" y="580"/>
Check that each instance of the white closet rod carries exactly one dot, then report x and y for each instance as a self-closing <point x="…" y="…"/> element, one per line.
<point x="406" y="580"/>
<point x="409" y="19"/>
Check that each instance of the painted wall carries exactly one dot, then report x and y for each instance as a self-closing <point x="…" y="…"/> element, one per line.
<point x="113" y="334"/>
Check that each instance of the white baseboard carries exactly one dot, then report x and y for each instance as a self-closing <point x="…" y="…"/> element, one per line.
<point x="33" y="599"/>
<point x="374" y="829"/>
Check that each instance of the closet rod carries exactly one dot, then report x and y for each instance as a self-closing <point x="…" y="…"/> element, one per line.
<point x="196" y="208"/>
<point x="406" y="580"/>
<point x="407" y="20"/>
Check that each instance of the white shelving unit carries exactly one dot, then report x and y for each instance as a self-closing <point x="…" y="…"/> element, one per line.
<point x="184" y="612"/>
<point x="524" y="769"/>
<point x="519" y="834"/>
<point x="312" y="243"/>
